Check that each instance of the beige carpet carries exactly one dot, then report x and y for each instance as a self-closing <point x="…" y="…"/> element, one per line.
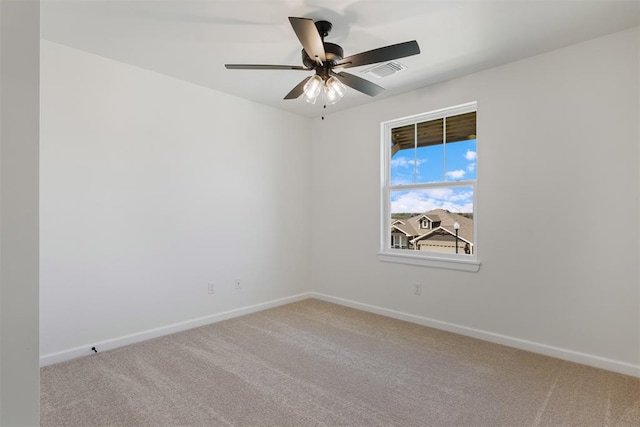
<point x="318" y="364"/>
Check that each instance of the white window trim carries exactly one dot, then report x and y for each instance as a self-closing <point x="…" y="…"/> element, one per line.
<point x="454" y="262"/>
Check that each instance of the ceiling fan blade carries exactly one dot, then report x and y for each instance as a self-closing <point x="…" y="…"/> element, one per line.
<point x="359" y="84"/>
<point x="309" y="37"/>
<point x="298" y="90"/>
<point x="381" y="54"/>
<point x="264" y="67"/>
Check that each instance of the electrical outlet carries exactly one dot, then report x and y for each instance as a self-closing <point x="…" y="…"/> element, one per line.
<point x="237" y="284"/>
<point x="417" y="289"/>
<point x="212" y="288"/>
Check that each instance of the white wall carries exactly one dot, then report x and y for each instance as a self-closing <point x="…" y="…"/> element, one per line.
<point x="150" y="188"/>
<point x="557" y="206"/>
<point x="19" y="70"/>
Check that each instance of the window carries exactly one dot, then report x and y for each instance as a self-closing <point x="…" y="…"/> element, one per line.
<point x="429" y="184"/>
<point x="398" y="241"/>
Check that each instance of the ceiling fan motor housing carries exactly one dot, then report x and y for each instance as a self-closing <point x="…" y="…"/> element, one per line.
<point x="332" y="52"/>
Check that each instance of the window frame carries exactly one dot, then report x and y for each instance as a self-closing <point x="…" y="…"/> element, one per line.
<point x="421" y="258"/>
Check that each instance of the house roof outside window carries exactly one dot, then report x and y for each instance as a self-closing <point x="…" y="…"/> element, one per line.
<point x="440" y="219"/>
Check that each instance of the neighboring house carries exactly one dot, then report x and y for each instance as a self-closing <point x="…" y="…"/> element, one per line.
<point x="433" y="231"/>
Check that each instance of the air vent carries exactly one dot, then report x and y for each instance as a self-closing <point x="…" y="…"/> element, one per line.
<point x="385" y="70"/>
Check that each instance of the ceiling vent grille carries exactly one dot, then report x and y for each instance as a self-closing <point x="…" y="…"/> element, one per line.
<point x="385" y="70"/>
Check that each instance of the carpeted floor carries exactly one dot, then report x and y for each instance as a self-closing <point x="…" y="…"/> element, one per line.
<point x="313" y="363"/>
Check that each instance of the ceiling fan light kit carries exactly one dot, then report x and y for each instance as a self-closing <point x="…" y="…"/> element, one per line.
<point x="324" y="57"/>
<point x="334" y="90"/>
<point x="312" y="89"/>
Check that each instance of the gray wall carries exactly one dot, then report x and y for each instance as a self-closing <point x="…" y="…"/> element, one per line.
<point x="19" y="133"/>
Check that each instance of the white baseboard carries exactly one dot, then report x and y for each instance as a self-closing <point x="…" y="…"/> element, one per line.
<point x="85" y="350"/>
<point x="547" y="350"/>
<point x="557" y="352"/>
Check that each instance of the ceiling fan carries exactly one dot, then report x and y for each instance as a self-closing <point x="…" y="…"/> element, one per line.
<point x="326" y="58"/>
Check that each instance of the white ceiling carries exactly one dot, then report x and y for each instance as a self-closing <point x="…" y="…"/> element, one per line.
<point x="192" y="40"/>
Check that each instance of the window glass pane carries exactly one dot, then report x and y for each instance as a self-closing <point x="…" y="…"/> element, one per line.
<point x="403" y="155"/>
<point x="429" y="163"/>
<point x="460" y="147"/>
<point x="403" y="167"/>
<point x="430" y="152"/>
<point x="461" y="160"/>
<point x="461" y="127"/>
<point x="443" y="207"/>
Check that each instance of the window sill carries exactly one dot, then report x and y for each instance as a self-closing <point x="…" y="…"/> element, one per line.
<point x="431" y="261"/>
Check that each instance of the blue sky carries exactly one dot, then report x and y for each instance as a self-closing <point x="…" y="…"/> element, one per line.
<point x="454" y="161"/>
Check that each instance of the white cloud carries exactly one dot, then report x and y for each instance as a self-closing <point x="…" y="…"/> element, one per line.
<point x="404" y="162"/>
<point x="471" y="155"/>
<point x="458" y="208"/>
<point x="471" y="167"/>
<point x="438" y="193"/>
<point x="414" y="202"/>
<point x="461" y="197"/>
<point x="457" y="174"/>
<point x="437" y="198"/>
<point x="402" y="180"/>
<point x="400" y="162"/>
